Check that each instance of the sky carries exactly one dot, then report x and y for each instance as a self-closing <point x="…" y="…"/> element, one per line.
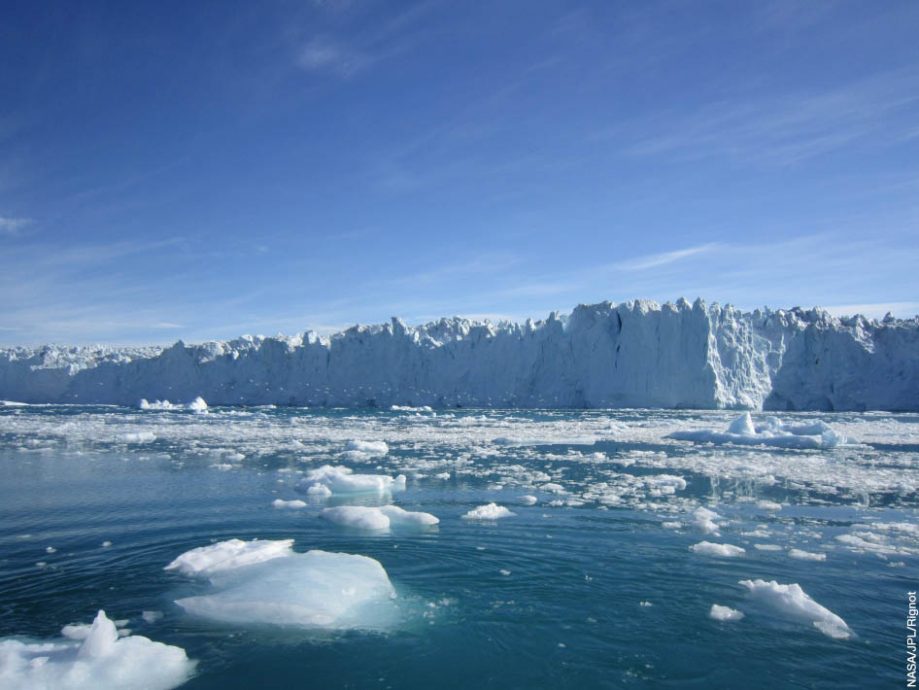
<point x="175" y="170"/>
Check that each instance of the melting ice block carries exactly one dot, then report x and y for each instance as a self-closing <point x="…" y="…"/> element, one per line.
<point x="92" y="657"/>
<point x="771" y="432"/>
<point x="378" y="518"/>
<point x="490" y="511"/>
<point x="342" y="480"/>
<point x="230" y="555"/>
<point x="316" y="589"/>
<point x="791" y="601"/>
<point x="707" y="548"/>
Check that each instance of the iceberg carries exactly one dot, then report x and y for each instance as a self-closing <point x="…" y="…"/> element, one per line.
<point x="90" y="657"/>
<point x="633" y="354"/>
<point x="772" y="432"/>
<point x="490" y="511"/>
<point x="707" y="548"/>
<point x="267" y="583"/>
<point x="342" y="480"/>
<point x="378" y="518"/>
<point x="792" y="602"/>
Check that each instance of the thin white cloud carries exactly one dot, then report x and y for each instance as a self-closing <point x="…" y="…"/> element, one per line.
<point x="324" y="55"/>
<point x="648" y="261"/>
<point x="13" y="226"/>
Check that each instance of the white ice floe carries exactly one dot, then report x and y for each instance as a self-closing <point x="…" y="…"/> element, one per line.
<point x="362" y="451"/>
<point x="381" y="518"/>
<point x="490" y="511"/>
<point x="316" y="589"/>
<point x="342" y="480"/>
<point x="771" y="506"/>
<point x="528" y="500"/>
<point x="806" y="555"/>
<point x="724" y="613"/>
<point x="138" y="437"/>
<point x="771" y="432"/>
<point x="883" y="539"/>
<point x="205" y="561"/>
<point x="704" y="519"/>
<point x="294" y="504"/>
<point x="92" y="657"/>
<point x="792" y="602"/>
<point x="707" y="548"/>
<point x="197" y="405"/>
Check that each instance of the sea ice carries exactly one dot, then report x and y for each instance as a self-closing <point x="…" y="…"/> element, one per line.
<point x="205" y="561"/>
<point x="724" y="613"/>
<point x="708" y="548"/>
<point x="704" y="519"/>
<point x="380" y="518"/>
<point x="92" y="657"/>
<point x="316" y="589"/>
<point x="490" y="511"/>
<point x="197" y="405"/>
<point x="342" y="480"/>
<point x="806" y="555"/>
<point x="792" y="602"/>
<point x="293" y="504"/>
<point x="528" y="500"/>
<point x="772" y="432"/>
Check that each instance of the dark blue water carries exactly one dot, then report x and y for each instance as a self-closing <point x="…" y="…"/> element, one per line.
<point x="550" y="598"/>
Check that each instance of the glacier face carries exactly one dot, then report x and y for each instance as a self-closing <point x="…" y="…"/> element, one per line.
<point x="633" y="354"/>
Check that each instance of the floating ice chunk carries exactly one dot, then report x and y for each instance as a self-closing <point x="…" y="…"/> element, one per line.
<point x="528" y="500"/>
<point x="151" y="616"/>
<point x="724" y="613"/>
<point x="378" y="518"/>
<point x="806" y="555"/>
<point x="704" y="519"/>
<point x="792" y="602"/>
<point x="708" y="548"/>
<point x="292" y="505"/>
<point x="771" y="506"/>
<point x="92" y="657"/>
<point x="671" y="524"/>
<point x="229" y="555"/>
<point x="361" y="451"/>
<point x="743" y="425"/>
<point x="319" y="491"/>
<point x="341" y="480"/>
<point x="490" y="511"/>
<point x="772" y="432"/>
<point x="197" y="405"/>
<point x="767" y="547"/>
<point x="139" y="437"/>
<point x="316" y="589"/>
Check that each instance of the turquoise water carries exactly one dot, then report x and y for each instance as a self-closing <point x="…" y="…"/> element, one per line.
<point x="587" y="588"/>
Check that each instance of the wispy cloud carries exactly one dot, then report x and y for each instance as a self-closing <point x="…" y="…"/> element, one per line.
<point x="648" y="261"/>
<point x="13" y="226"/>
<point x="323" y="55"/>
<point x="787" y="128"/>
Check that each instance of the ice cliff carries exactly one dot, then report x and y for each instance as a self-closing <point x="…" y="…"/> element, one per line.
<point x="634" y="354"/>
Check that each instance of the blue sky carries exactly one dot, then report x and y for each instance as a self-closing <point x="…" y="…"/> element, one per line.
<point x="201" y="170"/>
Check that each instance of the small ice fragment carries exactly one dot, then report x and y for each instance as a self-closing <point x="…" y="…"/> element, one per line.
<point x="490" y="511"/>
<point x="151" y="616"/>
<point x="291" y="505"/>
<point x="528" y="500"/>
<point x="708" y="548"/>
<point x="724" y="613"/>
<point x="806" y="555"/>
<point x="793" y="602"/>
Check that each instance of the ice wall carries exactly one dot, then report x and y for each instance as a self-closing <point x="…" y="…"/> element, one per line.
<point x="634" y="354"/>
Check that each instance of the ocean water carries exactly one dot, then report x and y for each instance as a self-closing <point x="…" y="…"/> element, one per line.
<point x="594" y="586"/>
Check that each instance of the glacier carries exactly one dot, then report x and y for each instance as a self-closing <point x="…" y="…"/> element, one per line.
<point x="631" y="354"/>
